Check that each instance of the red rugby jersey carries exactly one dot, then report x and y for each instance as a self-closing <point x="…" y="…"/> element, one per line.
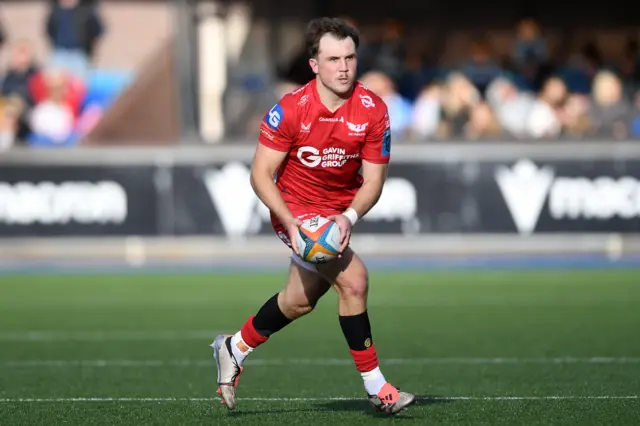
<point x="325" y="149"/>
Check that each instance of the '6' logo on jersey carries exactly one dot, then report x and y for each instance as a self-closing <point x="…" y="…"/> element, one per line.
<point x="275" y="116"/>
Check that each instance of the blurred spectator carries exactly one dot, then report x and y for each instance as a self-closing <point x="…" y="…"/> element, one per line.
<point x="74" y="28"/>
<point x="511" y="106"/>
<point x="582" y="68"/>
<point x="635" y="123"/>
<point x="458" y="97"/>
<point x="544" y="116"/>
<point x="3" y="37"/>
<point x="575" y="116"/>
<point x="482" y="124"/>
<point x="68" y="85"/>
<point x="426" y="112"/>
<point x="530" y="55"/>
<point x="388" y="53"/>
<point x="53" y="118"/>
<point x="417" y="74"/>
<point x="630" y="67"/>
<point x="529" y="45"/>
<point x="481" y="68"/>
<point x="21" y="69"/>
<point x="11" y="110"/>
<point x="400" y="109"/>
<point x="610" y="113"/>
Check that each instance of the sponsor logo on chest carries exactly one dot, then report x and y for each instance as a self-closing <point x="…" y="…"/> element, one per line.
<point x="331" y="119"/>
<point x="329" y="157"/>
<point x="353" y="129"/>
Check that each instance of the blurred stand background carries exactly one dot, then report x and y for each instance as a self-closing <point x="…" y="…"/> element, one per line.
<point x="127" y="127"/>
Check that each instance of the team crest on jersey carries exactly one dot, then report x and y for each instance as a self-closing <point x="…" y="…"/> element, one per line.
<point x="367" y="102"/>
<point x="386" y="143"/>
<point x="305" y="128"/>
<point x="356" y="129"/>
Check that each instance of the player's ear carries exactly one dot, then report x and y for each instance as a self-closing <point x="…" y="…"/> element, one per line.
<point x="313" y="63"/>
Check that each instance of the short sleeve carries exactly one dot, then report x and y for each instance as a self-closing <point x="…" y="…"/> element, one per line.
<point x="275" y="128"/>
<point x="377" y="145"/>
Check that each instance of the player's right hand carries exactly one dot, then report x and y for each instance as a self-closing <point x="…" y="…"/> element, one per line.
<point x="292" y="229"/>
<point x="345" y="230"/>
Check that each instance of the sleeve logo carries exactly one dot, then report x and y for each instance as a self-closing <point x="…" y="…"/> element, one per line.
<point x="386" y="143"/>
<point x="274" y="116"/>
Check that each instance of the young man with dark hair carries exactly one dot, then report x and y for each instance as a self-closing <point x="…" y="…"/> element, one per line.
<point x="315" y="141"/>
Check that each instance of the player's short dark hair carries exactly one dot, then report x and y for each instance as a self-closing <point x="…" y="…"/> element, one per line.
<point x="339" y="28"/>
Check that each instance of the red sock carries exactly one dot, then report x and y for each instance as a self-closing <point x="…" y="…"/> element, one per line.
<point x="250" y="335"/>
<point x="366" y="360"/>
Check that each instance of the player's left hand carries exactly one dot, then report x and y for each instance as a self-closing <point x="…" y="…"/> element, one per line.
<point x="345" y="230"/>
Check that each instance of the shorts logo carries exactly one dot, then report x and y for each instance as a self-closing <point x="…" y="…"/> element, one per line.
<point x="274" y="116"/>
<point x="285" y="238"/>
<point x="386" y="143"/>
<point x="367" y="342"/>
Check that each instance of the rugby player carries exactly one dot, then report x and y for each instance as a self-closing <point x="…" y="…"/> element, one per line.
<point x="328" y="145"/>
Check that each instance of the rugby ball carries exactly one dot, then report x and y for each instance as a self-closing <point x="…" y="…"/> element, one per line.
<point x="318" y="240"/>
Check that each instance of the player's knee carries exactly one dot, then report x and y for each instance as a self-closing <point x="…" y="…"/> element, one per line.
<point x="295" y="307"/>
<point x="296" y="310"/>
<point x="302" y="309"/>
<point x="356" y="286"/>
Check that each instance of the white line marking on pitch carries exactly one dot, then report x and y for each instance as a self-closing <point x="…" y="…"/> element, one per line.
<point x="105" y="363"/>
<point x="100" y="336"/>
<point x="445" y="398"/>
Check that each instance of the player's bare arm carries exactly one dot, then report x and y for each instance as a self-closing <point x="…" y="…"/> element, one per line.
<point x="374" y="176"/>
<point x="265" y="163"/>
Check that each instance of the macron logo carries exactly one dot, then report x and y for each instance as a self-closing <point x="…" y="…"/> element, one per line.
<point x="232" y="183"/>
<point x="524" y="188"/>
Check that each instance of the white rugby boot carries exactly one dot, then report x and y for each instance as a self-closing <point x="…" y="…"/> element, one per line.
<point x="228" y="370"/>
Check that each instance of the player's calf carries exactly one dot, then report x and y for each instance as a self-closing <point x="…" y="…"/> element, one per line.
<point x="383" y="395"/>
<point x="351" y="282"/>
<point x="258" y="328"/>
<point x="299" y="297"/>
